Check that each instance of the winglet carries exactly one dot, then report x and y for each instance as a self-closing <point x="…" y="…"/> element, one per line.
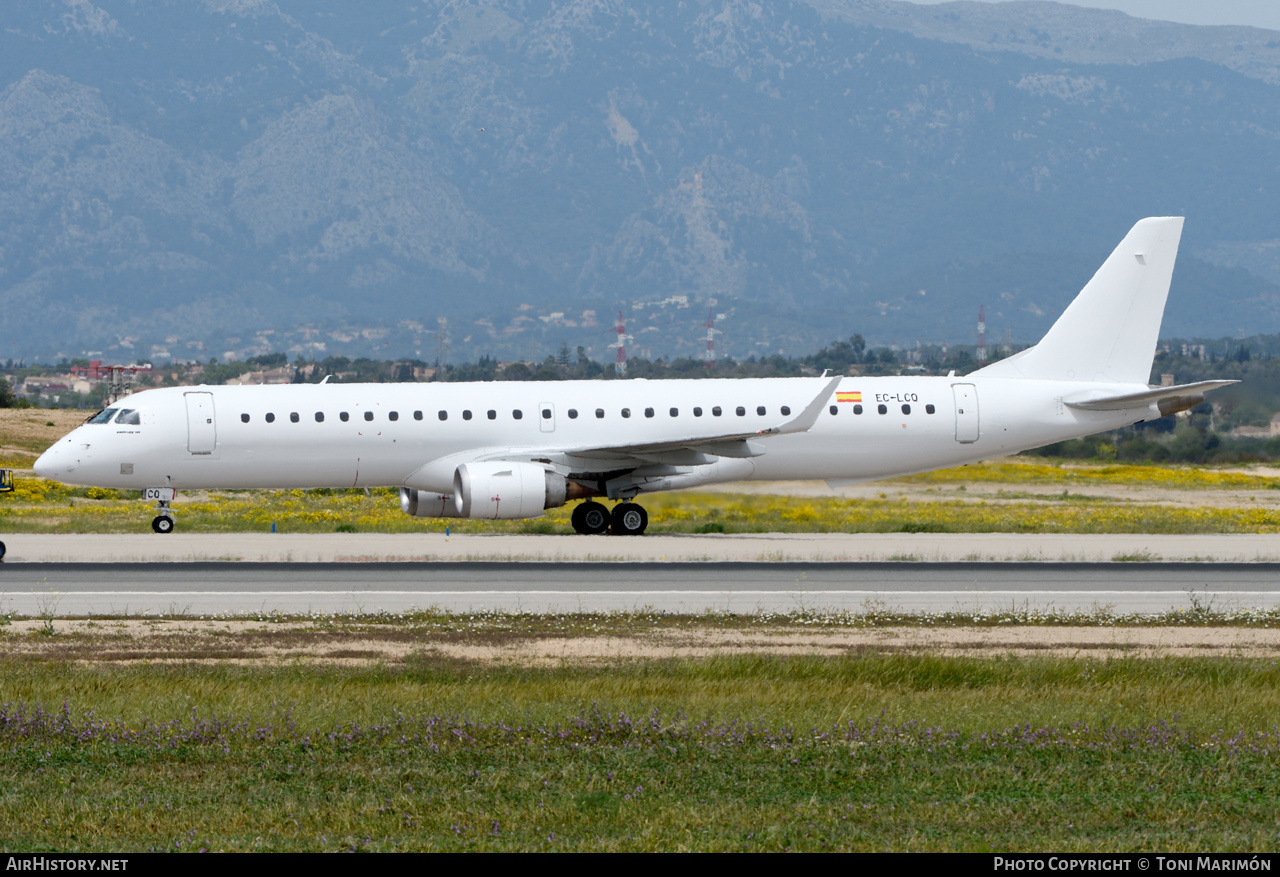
<point x="805" y="420"/>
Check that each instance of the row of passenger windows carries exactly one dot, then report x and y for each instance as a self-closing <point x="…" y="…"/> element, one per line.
<point x="517" y="414"/>
<point x="884" y="409"/>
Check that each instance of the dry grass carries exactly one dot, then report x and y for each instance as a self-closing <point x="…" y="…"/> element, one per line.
<point x="255" y="643"/>
<point x="25" y="433"/>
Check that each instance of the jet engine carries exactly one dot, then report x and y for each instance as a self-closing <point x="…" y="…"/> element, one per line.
<point x="427" y="503"/>
<point x="508" y="490"/>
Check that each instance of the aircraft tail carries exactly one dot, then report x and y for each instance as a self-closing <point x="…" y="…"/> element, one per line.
<point x="1109" y="333"/>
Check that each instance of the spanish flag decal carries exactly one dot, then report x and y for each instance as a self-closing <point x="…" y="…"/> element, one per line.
<point x="855" y="396"/>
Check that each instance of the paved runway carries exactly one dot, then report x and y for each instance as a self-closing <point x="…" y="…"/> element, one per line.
<point x="204" y="588"/>
<point x="653" y="547"/>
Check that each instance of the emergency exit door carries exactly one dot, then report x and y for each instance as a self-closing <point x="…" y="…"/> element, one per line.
<point x="966" y="412"/>
<point x="202" y="435"/>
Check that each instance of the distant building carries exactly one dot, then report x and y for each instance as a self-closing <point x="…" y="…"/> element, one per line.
<point x="281" y="375"/>
<point x="1270" y="430"/>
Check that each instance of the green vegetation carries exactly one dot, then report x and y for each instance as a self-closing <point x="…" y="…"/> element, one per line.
<point x="44" y="507"/>
<point x="747" y="753"/>
<point x="951" y="503"/>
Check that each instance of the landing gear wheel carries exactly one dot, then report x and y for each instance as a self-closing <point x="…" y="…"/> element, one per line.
<point x="2" y="551"/>
<point x="590" y="519"/>
<point x="629" y="519"/>
<point x="162" y="524"/>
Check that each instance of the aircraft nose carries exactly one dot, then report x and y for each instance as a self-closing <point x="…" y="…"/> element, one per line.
<point x="55" y="462"/>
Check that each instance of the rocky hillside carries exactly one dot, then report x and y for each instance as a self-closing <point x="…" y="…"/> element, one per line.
<point x="185" y="177"/>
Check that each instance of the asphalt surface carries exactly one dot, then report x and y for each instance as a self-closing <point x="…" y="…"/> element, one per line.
<point x="206" y="588"/>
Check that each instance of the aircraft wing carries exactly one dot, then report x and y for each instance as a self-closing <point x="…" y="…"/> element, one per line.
<point x="1169" y="399"/>
<point x="688" y="450"/>
<point x="729" y="444"/>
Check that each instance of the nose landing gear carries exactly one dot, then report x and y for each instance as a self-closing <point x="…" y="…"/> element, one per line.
<point x="164" y="496"/>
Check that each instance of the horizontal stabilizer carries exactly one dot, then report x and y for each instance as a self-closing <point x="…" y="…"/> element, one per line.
<point x="1171" y="398"/>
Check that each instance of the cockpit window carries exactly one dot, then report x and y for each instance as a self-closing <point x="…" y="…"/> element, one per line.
<point x="129" y="417"/>
<point x="103" y="416"/>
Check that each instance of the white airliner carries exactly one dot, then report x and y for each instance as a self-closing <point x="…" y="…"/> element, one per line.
<point x="513" y="449"/>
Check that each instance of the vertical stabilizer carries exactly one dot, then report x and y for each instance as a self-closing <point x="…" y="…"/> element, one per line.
<point x="1109" y="332"/>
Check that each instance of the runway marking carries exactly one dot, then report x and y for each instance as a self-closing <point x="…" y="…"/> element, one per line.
<point x="490" y="593"/>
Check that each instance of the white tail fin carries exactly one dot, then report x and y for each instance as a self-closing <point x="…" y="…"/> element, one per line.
<point x="1109" y="332"/>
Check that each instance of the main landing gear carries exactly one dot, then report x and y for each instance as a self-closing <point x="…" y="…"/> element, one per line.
<point x="627" y="519"/>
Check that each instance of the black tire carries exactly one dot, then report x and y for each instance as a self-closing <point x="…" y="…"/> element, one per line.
<point x="2" y="550"/>
<point x="629" y="519"/>
<point x="591" y="518"/>
<point x="162" y="524"/>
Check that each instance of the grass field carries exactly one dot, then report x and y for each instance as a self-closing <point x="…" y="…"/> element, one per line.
<point x="38" y="506"/>
<point x="861" y="752"/>
<point x="300" y="736"/>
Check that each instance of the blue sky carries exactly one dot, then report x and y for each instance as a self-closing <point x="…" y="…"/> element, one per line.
<point x="1258" y="13"/>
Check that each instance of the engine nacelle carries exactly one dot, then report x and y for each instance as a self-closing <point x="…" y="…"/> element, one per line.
<point x="427" y="503"/>
<point x="507" y="490"/>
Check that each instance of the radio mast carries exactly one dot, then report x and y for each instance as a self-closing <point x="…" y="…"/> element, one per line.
<point x="620" y="363"/>
<point x="981" y="354"/>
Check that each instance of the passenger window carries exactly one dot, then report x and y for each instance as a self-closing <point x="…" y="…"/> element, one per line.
<point x="599" y="413"/>
<point x="882" y="409"/>
<point x="835" y="409"/>
<point x="648" y="412"/>
<point x="443" y="415"/>
<point x="344" y="416"/>
<point x="417" y="415"/>
<point x="716" y="411"/>
<point x="906" y="409"/>
<point x="293" y="417"/>
<point x="740" y="411"/>
<point x="129" y="417"/>
<point x="929" y="409"/>
<point x="517" y="414"/>
<point x="760" y="410"/>
<point x="393" y="415"/>
<point x="319" y="417"/>
<point x="786" y="410"/>
<point x="546" y="413"/>
<point x="270" y="418"/>
<point x="573" y="413"/>
<point x="368" y="415"/>
<point x="626" y="412"/>
<point x="466" y="414"/>
<point x="491" y="414"/>
<point x="697" y="412"/>
<point x="244" y="418"/>
<point x="103" y="416"/>
<point x="857" y="409"/>
<point x="675" y="412"/>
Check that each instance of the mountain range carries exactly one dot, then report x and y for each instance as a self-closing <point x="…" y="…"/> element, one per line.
<point x="423" y="179"/>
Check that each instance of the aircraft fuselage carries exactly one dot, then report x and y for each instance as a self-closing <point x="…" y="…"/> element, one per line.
<point x="367" y="435"/>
